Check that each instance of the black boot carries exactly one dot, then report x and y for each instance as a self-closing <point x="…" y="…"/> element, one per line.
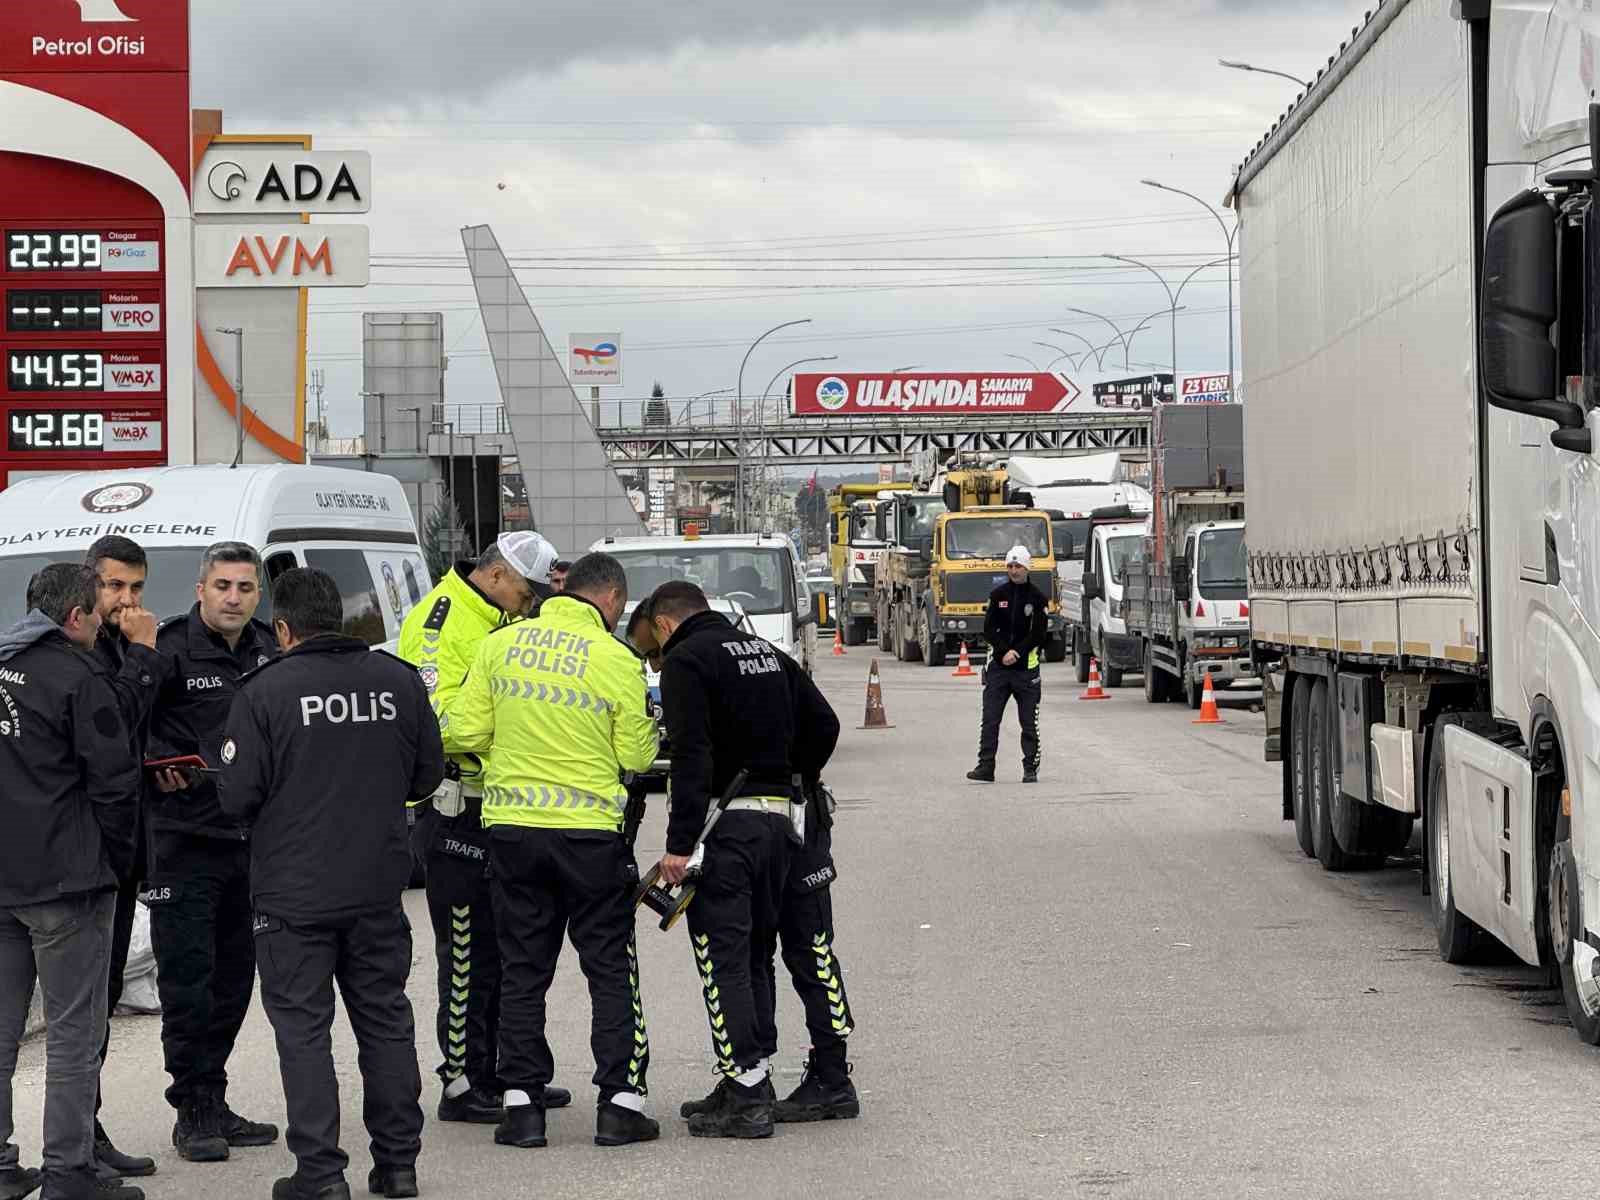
<point x="741" y="1112"/>
<point x="523" y="1126"/>
<point x="197" y="1133"/>
<point x="290" y="1188"/>
<point x="393" y="1182"/>
<point x="121" y="1164"/>
<point x="241" y="1132"/>
<point x="1030" y="774"/>
<point x="982" y="774"/>
<point x="825" y="1092"/>
<point x="17" y="1182"/>
<point x="615" y="1125"/>
<point x="473" y="1107"/>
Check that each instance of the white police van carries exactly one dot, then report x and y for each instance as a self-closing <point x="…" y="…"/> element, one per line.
<point x="354" y="525"/>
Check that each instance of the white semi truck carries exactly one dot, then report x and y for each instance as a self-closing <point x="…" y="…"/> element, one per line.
<point x="1420" y="254"/>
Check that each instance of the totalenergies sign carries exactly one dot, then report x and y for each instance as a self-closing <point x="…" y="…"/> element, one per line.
<point x="595" y="359"/>
<point x="955" y="395"/>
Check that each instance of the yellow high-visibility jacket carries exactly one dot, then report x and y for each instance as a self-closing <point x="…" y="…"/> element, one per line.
<point x="562" y="704"/>
<point x="439" y="637"/>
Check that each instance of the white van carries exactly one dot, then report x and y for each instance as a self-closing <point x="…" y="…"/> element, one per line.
<point x="354" y="525"/>
<point x="758" y="572"/>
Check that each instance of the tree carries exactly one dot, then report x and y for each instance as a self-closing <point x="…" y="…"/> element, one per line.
<point x="442" y="532"/>
<point x="656" y="410"/>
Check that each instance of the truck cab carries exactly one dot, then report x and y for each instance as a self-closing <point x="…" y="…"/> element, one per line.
<point x="1214" y="618"/>
<point x="1100" y="630"/>
<point x="855" y="551"/>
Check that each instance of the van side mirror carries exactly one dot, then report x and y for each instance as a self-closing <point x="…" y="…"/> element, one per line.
<point x="924" y="547"/>
<point x="808" y="617"/>
<point x="1092" y="589"/>
<point x="1182" y="579"/>
<point x="1064" y="548"/>
<point x="1521" y="372"/>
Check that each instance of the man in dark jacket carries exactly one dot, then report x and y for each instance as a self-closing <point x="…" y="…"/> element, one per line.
<point x="199" y="878"/>
<point x="69" y="806"/>
<point x="729" y="708"/>
<point x="1015" y="627"/>
<point x="325" y="748"/>
<point x="126" y="647"/>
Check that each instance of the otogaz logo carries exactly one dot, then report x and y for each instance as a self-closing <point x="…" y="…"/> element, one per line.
<point x="833" y="393"/>
<point x="600" y="355"/>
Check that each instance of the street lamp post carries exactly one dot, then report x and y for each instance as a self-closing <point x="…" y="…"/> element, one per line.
<point x="738" y="422"/>
<point x="1235" y="65"/>
<point x="1228" y="235"/>
<point x="799" y="362"/>
<point x="1026" y="359"/>
<point x="238" y="389"/>
<point x="1172" y="303"/>
<point x="907" y="367"/>
<point x="688" y="409"/>
<point x="1114" y="329"/>
<point x="1097" y="351"/>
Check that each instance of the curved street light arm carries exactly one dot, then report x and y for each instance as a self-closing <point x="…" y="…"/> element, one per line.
<point x="738" y="421"/>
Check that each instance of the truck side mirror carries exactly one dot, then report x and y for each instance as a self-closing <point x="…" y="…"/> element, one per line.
<point x="924" y="547"/>
<point x="1064" y="548"/>
<point x="1091" y="586"/>
<point x="1520" y="369"/>
<point x="1182" y="581"/>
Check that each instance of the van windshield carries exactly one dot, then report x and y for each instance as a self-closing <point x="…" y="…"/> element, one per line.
<point x="761" y="580"/>
<point x="169" y="591"/>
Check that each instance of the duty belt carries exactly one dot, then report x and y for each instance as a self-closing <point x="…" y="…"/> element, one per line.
<point x="773" y="806"/>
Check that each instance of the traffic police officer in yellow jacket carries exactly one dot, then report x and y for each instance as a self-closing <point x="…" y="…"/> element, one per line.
<point x="563" y="704"/>
<point x="439" y="637"/>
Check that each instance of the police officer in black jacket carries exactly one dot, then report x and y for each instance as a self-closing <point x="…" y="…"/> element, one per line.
<point x="325" y="748"/>
<point x="1015" y="627"/>
<point x="199" y="879"/>
<point x="805" y="923"/>
<point x="69" y="808"/>
<point x="126" y="647"/>
<point x="729" y="708"/>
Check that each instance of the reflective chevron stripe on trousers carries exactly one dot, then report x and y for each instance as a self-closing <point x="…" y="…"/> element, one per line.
<point x="806" y="930"/>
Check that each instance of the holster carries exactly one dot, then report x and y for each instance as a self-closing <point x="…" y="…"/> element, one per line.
<point x="633" y="814"/>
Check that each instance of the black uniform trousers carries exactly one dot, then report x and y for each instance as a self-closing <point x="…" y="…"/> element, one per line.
<point x="370" y="956"/>
<point x="466" y="950"/>
<point x="733" y="927"/>
<point x="805" y="929"/>
<point x="127" y="905"/>
<point x="578" y="883"/>
<point x="999" y="685"/>
<point x="199" y="900"/>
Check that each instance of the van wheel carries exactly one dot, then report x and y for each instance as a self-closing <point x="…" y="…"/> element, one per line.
<point x="1300" y="763"/>
<point x="1330" y="854"/>
<point x="1193" y="689"/>
<point x="1460" y="938"/>
<point x="1083" y="665"/>
<point x="1056" y="650"/>
<point x="932" y="644"/>
<point x="1574" y="958"/>
<point x="1113" y="676"/>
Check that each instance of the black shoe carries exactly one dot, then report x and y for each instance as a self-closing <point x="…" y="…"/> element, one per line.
<point x="290" y="1188"/>
<point x="108" y="1155"/>
<point x="1030" y="774"/>
<point x="392" y="1181"/>
<point x="743" y="1112"/>
<point x="618" y="1126"/>
<point x="818" y="1098"/>
<point x="473" y="1107"/>
<point x="242" y="1132"/>
<point x="523" y="1126"/>
<point x="115" y="1189"/>
<point x="713" y="1099"/>
<point x="981" y="774"/>
<point x="555" y="1097"/>
<point x="17" y="1182"/>
<point x="197" y="1135"/>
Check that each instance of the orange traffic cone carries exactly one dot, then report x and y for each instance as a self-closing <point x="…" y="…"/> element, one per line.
<point x="964" y="666"/>
<point x="877" y="716"/>
<point x="1208" y="705"/>
<point x="838" y="642"/>
<point x="1095" y="692"/>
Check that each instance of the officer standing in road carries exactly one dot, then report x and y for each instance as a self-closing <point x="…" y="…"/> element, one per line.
<point x="325" y="748"/>
<point x="440" y="636"/>
<point x="126" y="647"/>
<point x="729" y="708"/>
<point x="562" y="702"/>
<point x="70" y="807"/>
<point x="805" y="924"/>
<point x="1015" y="626"/>
<point x="199" y="885"/>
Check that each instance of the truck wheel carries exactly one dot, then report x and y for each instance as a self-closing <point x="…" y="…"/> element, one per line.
<point x="1113" y="676"/>
<point x="932" y="644"/>
<point x="852" y="630"/>
<point x="1155" y="679"/>
<point x="1300" y="763"/>
<point x="1460" y="938"/>
<point x="1056" y="650"/>
<point x="1083" y="665"/>
<point x="1566" y="938"/>
<point x="885" y="630"/>
<point x="911" y="647"/>
<point x="1330" y="854"/>
<point x="1193" y="689"/>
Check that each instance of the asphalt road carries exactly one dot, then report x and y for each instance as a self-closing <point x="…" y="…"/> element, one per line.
<point x="1125" y="982"/>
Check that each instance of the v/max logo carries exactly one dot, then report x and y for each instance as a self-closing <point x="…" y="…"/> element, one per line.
<point x="597" y="355"/>
<point x="134" y="378"/>
<point x="129" y="433"/>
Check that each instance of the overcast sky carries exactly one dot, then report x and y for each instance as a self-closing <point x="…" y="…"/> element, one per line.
<point x="850" y="130"/>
